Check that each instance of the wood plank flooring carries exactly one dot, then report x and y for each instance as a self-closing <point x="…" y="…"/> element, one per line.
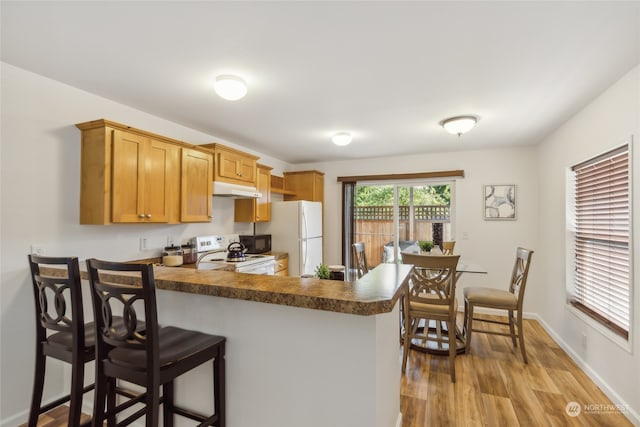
<point x="495" y="388"/>
<point x="57" y="417"/>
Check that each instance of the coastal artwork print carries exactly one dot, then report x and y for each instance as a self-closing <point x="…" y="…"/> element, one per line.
<point x="499" y="202"/>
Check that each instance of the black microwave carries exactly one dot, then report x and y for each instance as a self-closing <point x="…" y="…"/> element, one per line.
<point x="256" y="244"/>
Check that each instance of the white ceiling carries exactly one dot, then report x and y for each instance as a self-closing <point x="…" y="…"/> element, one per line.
<point x="387" y="72"/>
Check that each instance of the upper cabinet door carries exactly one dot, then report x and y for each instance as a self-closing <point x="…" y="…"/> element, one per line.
<point x="197" y="183"/>
<point x="233" y="166"/>
<point x="256" y="210"/>
<point x="237" y="167"/>
<point x="127" y="185"/>
<point x="142" y="174"/>
<point x="159" y="174"/>
<point x="263" y="204"/>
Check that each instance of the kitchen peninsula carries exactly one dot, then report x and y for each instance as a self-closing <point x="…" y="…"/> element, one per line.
<point x="301" y="352"/>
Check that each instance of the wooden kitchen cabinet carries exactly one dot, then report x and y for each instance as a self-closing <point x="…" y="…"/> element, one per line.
<point x="305" y="185"/>
<point x="133" y="176"/>
<point x="196" y="186"/>
<point x="143" y="171"/>
<point x="282" y="266"/>
<point x="233" y="166"/>
<point x="256" y="210"/>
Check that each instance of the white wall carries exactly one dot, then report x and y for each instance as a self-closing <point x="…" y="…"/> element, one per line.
<point x="40" y="204"/>
<point x="605" y="123"/>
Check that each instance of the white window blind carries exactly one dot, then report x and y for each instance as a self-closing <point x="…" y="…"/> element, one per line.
<point x="602" y="280"/>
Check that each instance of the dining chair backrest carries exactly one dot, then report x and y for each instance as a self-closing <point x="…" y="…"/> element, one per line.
<point x="360" y="259"/>
<point x="433" y="279"/>
<point x="520" y="273"/>
<point x="447" y="247"/>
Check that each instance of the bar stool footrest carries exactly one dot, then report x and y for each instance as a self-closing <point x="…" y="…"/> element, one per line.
<point x="64" y="399"/>
<point x="195" y="416"/>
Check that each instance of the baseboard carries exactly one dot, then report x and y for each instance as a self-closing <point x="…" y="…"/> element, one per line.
<point x="632" y="415"/>
<point x="15" y="420"/>
<point x="23" y="416"/>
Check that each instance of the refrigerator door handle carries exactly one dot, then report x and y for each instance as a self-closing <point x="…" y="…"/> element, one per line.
<point x="305" y="255"/>
<point x="305" y="229"/>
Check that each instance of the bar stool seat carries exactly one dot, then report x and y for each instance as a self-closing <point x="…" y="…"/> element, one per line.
<point x="152" y="359"/>
<point x="65" y="339"/>
<point x="175" y="346"/>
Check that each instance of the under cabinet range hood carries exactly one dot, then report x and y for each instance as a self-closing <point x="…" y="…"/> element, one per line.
<point x="225" y="189"/>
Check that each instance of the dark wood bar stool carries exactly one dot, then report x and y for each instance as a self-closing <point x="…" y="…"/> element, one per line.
<point x="60" y="333"/>
<point x="151" y="359"/>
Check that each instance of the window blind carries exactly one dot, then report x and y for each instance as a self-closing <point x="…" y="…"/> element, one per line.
<point x="602" y="281"/>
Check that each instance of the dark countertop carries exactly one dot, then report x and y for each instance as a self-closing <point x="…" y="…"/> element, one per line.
<point x="375" y="293"/>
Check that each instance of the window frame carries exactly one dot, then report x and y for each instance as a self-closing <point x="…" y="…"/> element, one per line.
<point x="615" y="333"/>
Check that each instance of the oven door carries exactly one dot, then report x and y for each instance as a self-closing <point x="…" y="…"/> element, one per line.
<point x="265" y="267"/>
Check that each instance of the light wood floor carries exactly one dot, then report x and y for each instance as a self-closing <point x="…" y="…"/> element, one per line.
<point x="57" y="418"/>
<point x="495" y="388"/>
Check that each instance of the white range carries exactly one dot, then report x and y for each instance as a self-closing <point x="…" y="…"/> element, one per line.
<point x="212" y="252"/>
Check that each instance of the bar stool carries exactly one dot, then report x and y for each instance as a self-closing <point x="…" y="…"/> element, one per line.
<point x="151" y="359"/>
<point x="60" y="333"/>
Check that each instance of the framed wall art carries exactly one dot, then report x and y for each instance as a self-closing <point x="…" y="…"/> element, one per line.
<point x="500" y="202"/>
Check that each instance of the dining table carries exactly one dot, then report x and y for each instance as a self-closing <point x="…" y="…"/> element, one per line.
<point x="440" y="328"/>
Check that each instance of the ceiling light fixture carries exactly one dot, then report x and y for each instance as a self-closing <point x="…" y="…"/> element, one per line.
<point x="459" y="124"/>
<point x="230" y="87"/>
<point x="341" y="138"/>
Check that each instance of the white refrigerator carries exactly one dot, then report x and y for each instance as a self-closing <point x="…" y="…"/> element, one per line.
<point x="296" y="228"/>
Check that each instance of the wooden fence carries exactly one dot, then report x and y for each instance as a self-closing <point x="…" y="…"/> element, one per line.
<point x="374" y="227"/>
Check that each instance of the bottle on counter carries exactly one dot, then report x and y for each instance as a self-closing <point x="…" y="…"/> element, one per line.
<point x="172" y="256"/>
<point x="189" y="255"/>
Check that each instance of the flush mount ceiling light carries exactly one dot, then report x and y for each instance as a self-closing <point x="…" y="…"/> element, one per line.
<point x="459" y="125"/>
<point x="230" y="87"/>
<point x="341" y="138"/>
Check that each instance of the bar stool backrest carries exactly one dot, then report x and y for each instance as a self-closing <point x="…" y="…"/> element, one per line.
<point x="58" y="300"/>
<point x="116" y="297"/>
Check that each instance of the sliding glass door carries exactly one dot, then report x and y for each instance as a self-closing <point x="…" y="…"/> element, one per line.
<point x="392" y="217"/>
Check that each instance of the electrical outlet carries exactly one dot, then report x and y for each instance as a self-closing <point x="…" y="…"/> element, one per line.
<point x="37" y="249"/>
<point x="465" y="235"/>
<point x="143" y="244"/>
<point x="170" y="240"/>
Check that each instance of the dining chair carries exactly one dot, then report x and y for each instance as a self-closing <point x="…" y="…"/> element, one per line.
<point x="152" y="359"/>
<point x="447" y="247"/>
<point x="431" y="297"/>
<point x="360" y="259"/>
<point x="510" y="300"/>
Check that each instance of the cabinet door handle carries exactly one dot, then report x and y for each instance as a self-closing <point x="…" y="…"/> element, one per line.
<point x="149" y="216"/>
<point x="141" y="216"/>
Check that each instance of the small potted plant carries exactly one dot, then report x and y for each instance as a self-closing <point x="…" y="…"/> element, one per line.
<point x="425" y="245"/>
<point x="322" y="271"/>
